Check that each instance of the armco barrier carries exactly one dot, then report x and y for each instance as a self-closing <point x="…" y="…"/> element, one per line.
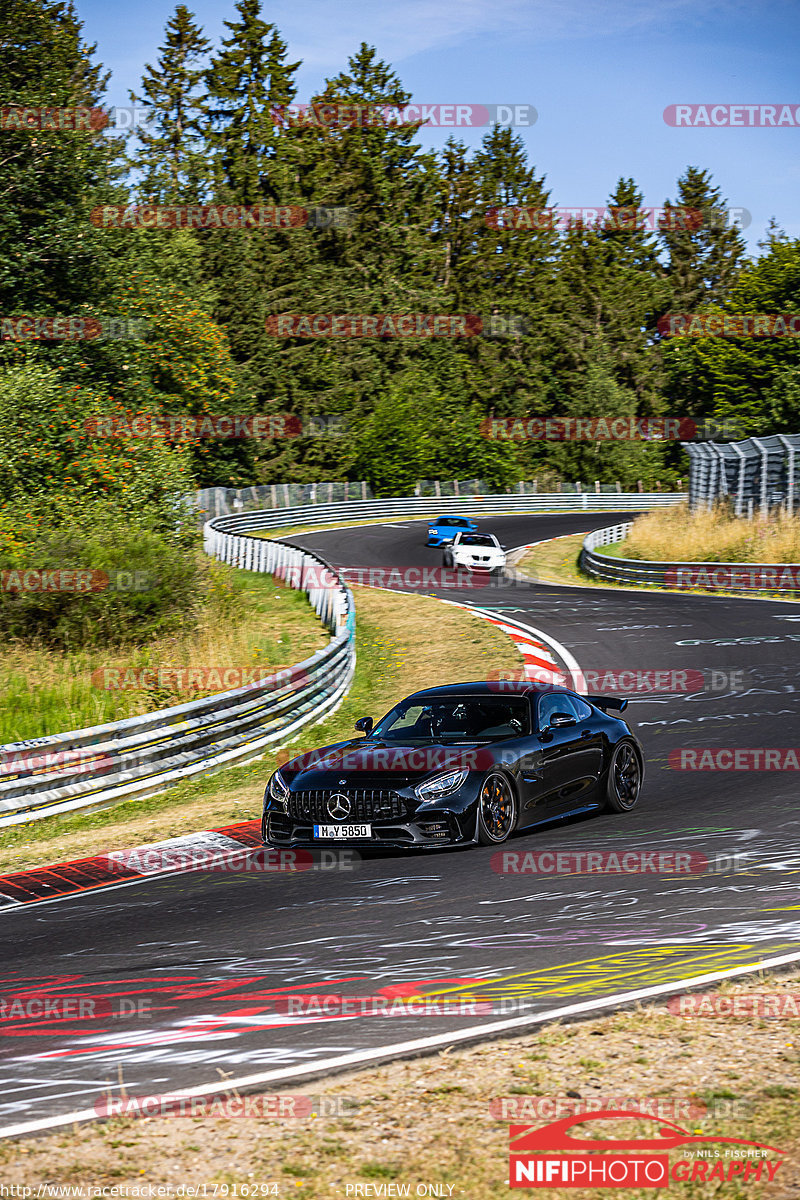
<point x="146" y="754"/>
<point x="741" y="577"/>
<point x="429" y="506"/>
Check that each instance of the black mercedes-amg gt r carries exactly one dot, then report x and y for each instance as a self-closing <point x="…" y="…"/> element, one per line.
<point x="458" y="765"/>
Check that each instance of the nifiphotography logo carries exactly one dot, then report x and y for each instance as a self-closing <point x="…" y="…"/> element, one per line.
<point x="550" y="1156"/>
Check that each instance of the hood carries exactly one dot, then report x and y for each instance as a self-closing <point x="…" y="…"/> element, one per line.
<point x="376" y="763"/>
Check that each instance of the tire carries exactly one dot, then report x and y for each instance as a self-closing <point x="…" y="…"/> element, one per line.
<point x="447" y="560"/>
<point x="624" y="779"/>
<point x="497" y="810"/>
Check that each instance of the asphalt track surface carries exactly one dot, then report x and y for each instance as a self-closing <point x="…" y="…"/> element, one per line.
<point x="209" y="954"/>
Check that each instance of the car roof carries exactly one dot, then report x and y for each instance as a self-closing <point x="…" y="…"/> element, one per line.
<point x="451" y="517"/>
<point x="482" y="687"/>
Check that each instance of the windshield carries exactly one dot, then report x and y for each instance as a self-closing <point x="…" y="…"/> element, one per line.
<point x="459" y="719"/>
<point x="477" y="539"/>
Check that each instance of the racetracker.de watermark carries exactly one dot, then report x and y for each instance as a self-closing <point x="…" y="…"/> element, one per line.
<point x="198" y="679"/>
<point x="44" y="762"/>
<point x="274" y="1107"/>
<point x="394" y="325"/>
<point x="735" y="578"/>
<point x="393" y="758"/>
<point x="732" y="325"/>
<point x="220" y="216"/>
<point x="613" y="862"/>
<point x="589" y="429"/>
<point x="662" y="1108"/>
<point x="119" y="118"/>
<point x="622" y="681"/>
<point x="46" y="1007"/>
<point x="738" y="116"/>
<point x="413" y="579"/>
<point x="364" y="116"/>
<point x="775" y="1005"/>
<point x="607" y="429"/>
<point x="335" y="1005"/>
<point x="150" y="860"/>
<point x="735" y="758"/>
<point x="70" y="329"/>
<point x="76" y="580"/>
<point x="655" y="220"/>
<point x="178" y="428"/>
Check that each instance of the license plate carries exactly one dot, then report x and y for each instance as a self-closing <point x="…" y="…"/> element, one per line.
<point x="342" y="831"/>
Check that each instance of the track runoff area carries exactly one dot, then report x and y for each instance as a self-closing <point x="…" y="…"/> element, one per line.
<point x="270" y="978"/>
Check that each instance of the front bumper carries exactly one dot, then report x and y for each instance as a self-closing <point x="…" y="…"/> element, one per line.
<point x="469" y="565"/>
<point x="422" y="830"/>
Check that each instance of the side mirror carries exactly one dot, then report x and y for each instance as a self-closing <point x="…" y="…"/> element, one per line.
<point x="561" y="720"/>
<point x="365" y="724"/>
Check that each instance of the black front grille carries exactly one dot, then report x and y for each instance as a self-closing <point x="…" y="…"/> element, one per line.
<point x="367" y="804"/>
<point x="279" y="827"/>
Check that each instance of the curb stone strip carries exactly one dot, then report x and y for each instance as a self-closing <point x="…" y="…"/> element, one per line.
<point x="89" y="874"/>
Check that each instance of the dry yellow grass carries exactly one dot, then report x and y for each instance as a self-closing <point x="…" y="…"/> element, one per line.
<point x="714" y="535"/>
<point x="47" y="691"/>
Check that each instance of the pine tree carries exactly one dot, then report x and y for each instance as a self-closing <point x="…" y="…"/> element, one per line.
<point x="50" y="255"/>
<point x="705" y="252"/>
<point x="171" y="157"/>
<point x="503" y="272"/>
<point x="248" y="79"/>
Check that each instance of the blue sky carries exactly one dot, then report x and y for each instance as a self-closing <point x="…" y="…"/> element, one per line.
<point x="599" y="76"/>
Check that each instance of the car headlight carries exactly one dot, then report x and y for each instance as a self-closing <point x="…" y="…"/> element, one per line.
<point x="277" y="789"/>
<point x="440" y="785"/>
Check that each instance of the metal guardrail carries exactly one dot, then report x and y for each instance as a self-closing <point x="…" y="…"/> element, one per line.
<point x="757" y="473"/>
<point x="423" y="506"/>
<point x="722" y="576"/>
<point x="213" y="502"/>
<point x="142" y="755"/>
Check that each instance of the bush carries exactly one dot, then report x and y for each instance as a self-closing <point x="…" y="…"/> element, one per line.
<point x="139" y="582"/>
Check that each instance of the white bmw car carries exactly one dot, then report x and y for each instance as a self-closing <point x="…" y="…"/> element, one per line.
<point x="475" y="552"/>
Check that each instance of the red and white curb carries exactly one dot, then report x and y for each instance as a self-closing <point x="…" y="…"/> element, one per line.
<point x="209" y="848"/>
<point x="545" y="660"/>
<point x="539" y="662"/>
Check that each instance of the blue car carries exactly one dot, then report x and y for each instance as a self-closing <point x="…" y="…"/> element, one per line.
<point x="444" y="529"/>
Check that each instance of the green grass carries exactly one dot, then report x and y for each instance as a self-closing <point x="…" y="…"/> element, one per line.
<point x="46" y="691"/>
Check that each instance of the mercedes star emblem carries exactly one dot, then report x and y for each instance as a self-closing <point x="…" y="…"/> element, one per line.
<point x="339" y="806"/>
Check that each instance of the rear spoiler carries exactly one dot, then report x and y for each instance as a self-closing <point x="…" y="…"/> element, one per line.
<point x="606" y="702"/>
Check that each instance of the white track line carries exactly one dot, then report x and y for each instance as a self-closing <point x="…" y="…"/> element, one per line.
<point x="416" y="1047"/>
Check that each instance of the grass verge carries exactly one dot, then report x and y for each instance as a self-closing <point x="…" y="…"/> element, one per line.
<point x="429" y="1121"/>
<point x="556" y="561"/>
<point x="250" y="621"/>
<point x="403" y="643"/>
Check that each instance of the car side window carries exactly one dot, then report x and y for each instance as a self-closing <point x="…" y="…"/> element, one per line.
<point x="570" y="703"/>
<point x="549" y="703"/>
<point x="565" y="702"/>
<point x="581" y="709"/>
